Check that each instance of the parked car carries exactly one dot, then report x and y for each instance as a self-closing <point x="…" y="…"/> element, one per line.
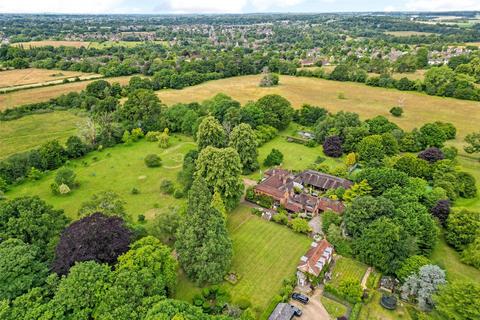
<point x="296" y="311"/>
<point x="300" y="297"/>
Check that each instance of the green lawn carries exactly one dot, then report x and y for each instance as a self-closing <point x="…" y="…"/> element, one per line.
<point x="295" y="156"/>
<point x="374" y="311"/>
<point x="334" y="308"/>
<point x="31" y="131"/>
<point x="470" y="164"/>
<point x="265" y="253"/>
<point x="449" y="259"/>
<point x="347" y="268"/>
<point x="118" y="169"/>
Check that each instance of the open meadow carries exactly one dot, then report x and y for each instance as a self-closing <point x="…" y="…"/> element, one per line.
<point x="42" y="94"/>
<point x="118" y="169"/>
<point x="364" y="100"/>
<point x="408" y="33"/>
<point x="33" y="130"/>
<point x="29" y="76"/>
<point x="53" y="43"/>
<point x="265" y="253"/>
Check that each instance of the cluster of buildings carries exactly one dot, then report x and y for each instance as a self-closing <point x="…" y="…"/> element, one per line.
<point x="301" y="193"/>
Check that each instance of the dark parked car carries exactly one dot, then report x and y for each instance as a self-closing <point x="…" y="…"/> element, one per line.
<point x="300" y="297"/>
<point x="296" y="311"/>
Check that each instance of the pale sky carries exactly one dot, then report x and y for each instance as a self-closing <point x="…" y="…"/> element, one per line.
<point x="230" y="6"/>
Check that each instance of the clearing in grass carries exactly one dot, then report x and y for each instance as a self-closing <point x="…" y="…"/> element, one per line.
<point x="31" y="131"/>
<point x="118" y="169"/>
<point x="265" y="253"/>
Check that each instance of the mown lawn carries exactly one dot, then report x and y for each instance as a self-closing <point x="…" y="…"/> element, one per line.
<point x="470" y="164"/>
<point x="117" y="169"/>
<point x="346" y="268"/>
<point x="374" y="311"/>
<point x="449" y="259"/>
<point x="265" y="253"/>
<point x="31" y="131"/>
<point x="335" y="309"/>
<point x="295" y="156"/>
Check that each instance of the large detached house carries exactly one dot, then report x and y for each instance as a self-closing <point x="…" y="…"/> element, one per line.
<point x="314" y="261"/>
<point x="298" y="192"/>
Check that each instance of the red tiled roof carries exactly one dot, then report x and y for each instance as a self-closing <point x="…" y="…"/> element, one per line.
<point x="313" y="255"/>
<point x="329" y="204"/>
<point x="272" y="186"/>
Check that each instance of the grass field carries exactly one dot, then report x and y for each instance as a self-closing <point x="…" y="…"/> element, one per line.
<point x="18" y="98"/>
<point x="20" y="77"/>
<point x="31" y="131"/>
<point x="53" y="43"/>
<point x="335" y="309"/>
<point x="265" y="253"/>
<point x="374" y="311"/>
<point x="295" y="156"/>
<point x="346" y="268"/>
<point x="117" y="169"/>
<point x="366" y="101"/>
<point x="408" y="33"/>
<point x="128" y="44"/>
<point x="449" y="259"/>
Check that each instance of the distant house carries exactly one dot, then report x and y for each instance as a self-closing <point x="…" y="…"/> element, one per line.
<point x="283" y="311"/>
<point x="314" y="261"/>
<point x="298" y="192"/>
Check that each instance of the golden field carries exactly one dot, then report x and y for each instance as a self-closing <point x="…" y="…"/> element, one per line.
<point x="34" y="95"/>
<point x="25" y="78"/>
<point x="53" y="43"/>
<point x="364" y="100"/>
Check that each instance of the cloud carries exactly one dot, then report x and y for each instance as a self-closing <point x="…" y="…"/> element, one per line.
<point x="390" y="9"/>
<point x="59" y="6"/>
<point x="442" y="5"/>
<point x="268" y="4"/>
<point x="206" y="6"/>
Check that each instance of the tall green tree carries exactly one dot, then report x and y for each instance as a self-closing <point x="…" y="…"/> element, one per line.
<point x="146" y="272"/>
<point x="33" y="221"/>
<point x="141" y="110"/>
<point x="371" y="150"/>
<point x="203" y="246"/>
<point x="384" y="245"/>
<point x="211" y="133"/>
<point x="277" y="111"/>
<point x="21" y="268"/>
<point x="80" y="293"/>
<point x="221" y="169"/>
<point x="243" y="140"/>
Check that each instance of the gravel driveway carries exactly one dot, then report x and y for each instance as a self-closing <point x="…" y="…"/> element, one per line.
<point x="314" y="310"/>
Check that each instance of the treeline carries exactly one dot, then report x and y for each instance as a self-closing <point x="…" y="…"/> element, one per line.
<point x="458" y="79"/>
